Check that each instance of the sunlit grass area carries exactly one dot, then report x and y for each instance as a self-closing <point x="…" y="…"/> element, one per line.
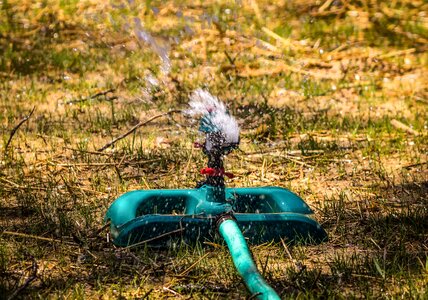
<point x="331" y="97"/>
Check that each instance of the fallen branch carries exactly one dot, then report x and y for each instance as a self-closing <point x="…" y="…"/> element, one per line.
<point x="15" y="129"/>
<point x="135" y="128"/>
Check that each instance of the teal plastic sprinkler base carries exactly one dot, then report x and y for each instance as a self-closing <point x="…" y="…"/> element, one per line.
<point x="159" y="216"/>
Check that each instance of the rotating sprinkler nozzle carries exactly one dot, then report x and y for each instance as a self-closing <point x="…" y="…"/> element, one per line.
<point x="216" y="145"/>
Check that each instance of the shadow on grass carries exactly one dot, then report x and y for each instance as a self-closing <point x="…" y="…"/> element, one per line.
<point x="392" y="235"/>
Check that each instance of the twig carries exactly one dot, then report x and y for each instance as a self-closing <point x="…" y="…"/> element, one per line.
<point x="135" y="128"/>
<point x="87" y="151"/>
<point x="284" y="41"/>
<point x="36" y="237"/>
<point x="397" y="53"/>
<point x="17" y="186"/>
<point x="15" y="129"/>
<point x="104" y="93"/>
<point x="102" y="164"/>
<point x="194" y="264"/>
<point x="325" y="6"/>
<point x="154" y="238"/>
<point x="33" y="276"/>
<point x="397" y="124"/>
<point x="99" y="230"/>
<point x="286" y="250"/>
<point x="146" y="295"/>
<point x="254" y="296"/>
<point x="171" y="291"/>
<point x="415" y="165"/>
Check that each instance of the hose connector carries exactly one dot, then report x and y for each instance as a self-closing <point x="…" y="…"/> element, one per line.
<point x="223" y="217"/>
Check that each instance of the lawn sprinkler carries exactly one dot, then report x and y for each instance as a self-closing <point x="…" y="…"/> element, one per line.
<point x="211" y="210"/>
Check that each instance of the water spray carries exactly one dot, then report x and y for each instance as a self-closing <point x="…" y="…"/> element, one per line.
<point x="260" y="214"/>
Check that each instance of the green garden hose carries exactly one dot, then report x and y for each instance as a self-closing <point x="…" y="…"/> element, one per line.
<point x="243" y="260"/>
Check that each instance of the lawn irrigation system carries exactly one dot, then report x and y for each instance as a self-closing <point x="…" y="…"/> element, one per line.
<point x="211" y="210"/>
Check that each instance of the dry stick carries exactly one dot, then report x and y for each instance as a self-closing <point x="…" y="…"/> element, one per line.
<point x="33" y="276"/>
<point x="397" y="124"/>
<point x="99" y="230"/>
<point x="325" y="6"/>
<point x="93" y="97"/>
<point x="87" y="151"/>
<point x="415" y="165"/>
<point x="17" y="186"/>
<point x="171" y="291"/>
<point x="284" y="41"/>
<point x="101" y="164"/>
<point x="15" y="129"/>
<point x="146" y="295"/>
<point x="194" y="264"/>
<point x="286" y="250"/>
<point x="254" y="296"/>
<point x="36" y="237"/>
<point x="136" y="127"/>
<point x="154" y="238"/>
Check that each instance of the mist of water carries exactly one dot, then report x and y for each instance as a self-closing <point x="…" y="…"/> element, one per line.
<point x="145" y="37"/>
<point x="202" y="103"/>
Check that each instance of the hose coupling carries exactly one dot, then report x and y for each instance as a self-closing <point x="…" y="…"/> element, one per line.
<point x="224" y="217"/>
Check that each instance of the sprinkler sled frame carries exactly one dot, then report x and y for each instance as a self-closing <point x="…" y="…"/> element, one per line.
<point x="257" y="215"/>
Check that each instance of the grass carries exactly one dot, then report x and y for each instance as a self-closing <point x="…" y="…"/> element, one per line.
<point x="318" y="90"/>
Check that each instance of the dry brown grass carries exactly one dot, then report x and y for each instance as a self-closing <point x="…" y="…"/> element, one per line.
<point x="332" y="99"/>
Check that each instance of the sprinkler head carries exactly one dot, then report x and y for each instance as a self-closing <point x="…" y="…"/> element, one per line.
<point x="216" y="142"/>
